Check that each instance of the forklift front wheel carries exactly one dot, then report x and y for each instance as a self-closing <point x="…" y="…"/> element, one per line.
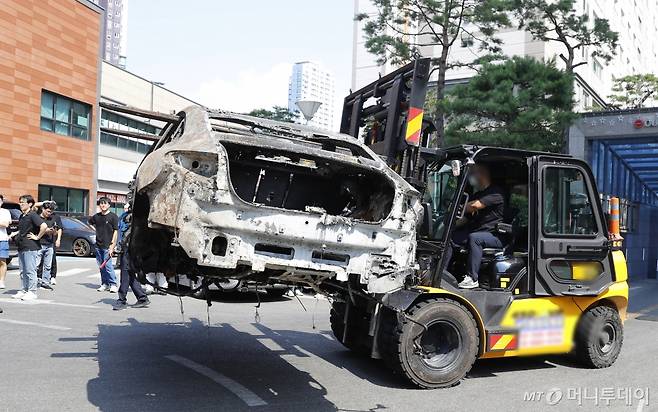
<point x="437" y="343"/>
<point x="599" y="337"/>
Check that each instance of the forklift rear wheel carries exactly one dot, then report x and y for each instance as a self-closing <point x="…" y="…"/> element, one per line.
<point x="435" y="345"/>
<point x="599" y="337"/>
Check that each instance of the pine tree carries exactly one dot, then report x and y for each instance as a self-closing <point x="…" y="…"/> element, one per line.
<point x="521" y="103"/>
<point x="401" y="30"/>
<point x="632" y="92"/>
<point x="557" y="21"/>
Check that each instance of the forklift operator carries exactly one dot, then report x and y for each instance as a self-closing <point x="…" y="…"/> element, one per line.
<point x="477" y="229"/>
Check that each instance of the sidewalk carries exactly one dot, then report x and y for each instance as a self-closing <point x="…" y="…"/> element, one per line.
<point x="643" y="299"/>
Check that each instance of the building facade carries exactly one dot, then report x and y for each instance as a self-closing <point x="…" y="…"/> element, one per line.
<point x="115" y="37"/>
<point x="634" y="20"/>
<point x="622" y="148"/>
<point x="309" y="81"/>
<point x="49" y="88"/>
<point x="119" y="156"/>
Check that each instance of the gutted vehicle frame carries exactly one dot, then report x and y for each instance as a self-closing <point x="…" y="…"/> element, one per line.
<point x="222" y="195"/>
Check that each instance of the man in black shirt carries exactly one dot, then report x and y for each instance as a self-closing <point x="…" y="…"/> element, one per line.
<point x="48" y="242"/>
<point x="106" y="224"/>
<point x="31" y="229"/>
<point x="477" y="229"/>
<point x="128" y="278"/>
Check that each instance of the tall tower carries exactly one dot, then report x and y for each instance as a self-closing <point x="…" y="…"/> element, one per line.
<point x="115" y="38"/>
<point x="309" y="81"/>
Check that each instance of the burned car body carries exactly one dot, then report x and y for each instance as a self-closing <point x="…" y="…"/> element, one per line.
<point x="223" y="195"/>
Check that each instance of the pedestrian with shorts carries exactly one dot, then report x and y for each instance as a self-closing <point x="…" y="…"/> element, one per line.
<point x="31" y="229"/>
<point x="50" y="239"/>
<point x="5" y="221"/>
<point x="106" y="224"/>
<point x="128" y="278"/>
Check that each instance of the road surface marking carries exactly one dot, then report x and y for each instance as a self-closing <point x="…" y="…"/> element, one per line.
<point x="71" y="272"/>
<point x="250" y="398"/>
<point x="270" y="344"/>
<point x="117" y="273"/>
<point x="41" y="325"/>
<point x="49" y="302"/>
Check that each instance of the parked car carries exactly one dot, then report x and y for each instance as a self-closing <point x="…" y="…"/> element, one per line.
<point x="15" y="212"/>
<point x="77" y="237"/>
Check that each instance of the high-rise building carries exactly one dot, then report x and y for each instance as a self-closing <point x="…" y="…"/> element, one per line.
<point x="309" y="81"/>
<point x="635" y="21"/>
<point x="115" y="38"/>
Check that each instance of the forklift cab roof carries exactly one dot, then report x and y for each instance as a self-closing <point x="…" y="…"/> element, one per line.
<point x="476" y="153"/>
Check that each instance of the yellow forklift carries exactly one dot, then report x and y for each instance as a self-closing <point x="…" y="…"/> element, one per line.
<point x="557" y="286"/>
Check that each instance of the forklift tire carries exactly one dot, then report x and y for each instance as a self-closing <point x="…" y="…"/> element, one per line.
<point x="599" y="337"/>
<point x="357" y="328"/>
<point x="450" y="342"/>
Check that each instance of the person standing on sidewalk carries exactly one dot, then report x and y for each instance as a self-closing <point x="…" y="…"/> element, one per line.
<point x="31" y="229"/>
<point x="128" y="278"/>
<point x="5" y="221"/>
<point x="49" y="241"/>
<point x="106" y="224"/>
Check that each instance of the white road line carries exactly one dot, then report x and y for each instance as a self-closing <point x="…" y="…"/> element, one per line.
<point x="49" y="302"/>
<point x="250" y="398"/>
<point x="41" y="325"/>
<point x="71" y="272"/>
<point x="117" y="273"/>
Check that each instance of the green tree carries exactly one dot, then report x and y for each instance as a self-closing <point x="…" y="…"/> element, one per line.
<point x="403" y="30"/>
<point x="631" y="92"/>
<point x="279" y="113"/>
<point x="557" y="21"/>
<point x="521" y="103"/>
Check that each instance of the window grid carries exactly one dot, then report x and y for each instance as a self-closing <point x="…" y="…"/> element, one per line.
<point x="64" y="116"/>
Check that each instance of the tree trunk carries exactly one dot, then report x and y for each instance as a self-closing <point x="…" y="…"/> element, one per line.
<point x="569" y="70"/>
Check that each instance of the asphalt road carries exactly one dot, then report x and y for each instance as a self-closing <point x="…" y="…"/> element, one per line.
<point x="70" y="352"/>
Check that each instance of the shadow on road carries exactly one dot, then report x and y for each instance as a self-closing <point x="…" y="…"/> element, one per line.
<point x="134" y="373"/>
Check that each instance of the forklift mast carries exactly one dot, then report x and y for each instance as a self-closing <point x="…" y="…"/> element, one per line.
<point x="388" y="115"/>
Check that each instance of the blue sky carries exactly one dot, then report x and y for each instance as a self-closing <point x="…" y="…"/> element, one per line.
<point x="237" y="55"/>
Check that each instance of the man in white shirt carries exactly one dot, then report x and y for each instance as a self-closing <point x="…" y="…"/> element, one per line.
<point x="5" y="221"/>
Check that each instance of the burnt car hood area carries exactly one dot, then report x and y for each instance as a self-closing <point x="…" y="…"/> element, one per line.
<point x="223" y="195"/>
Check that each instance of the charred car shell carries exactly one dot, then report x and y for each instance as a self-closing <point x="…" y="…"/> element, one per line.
<point x="223" y="195"/>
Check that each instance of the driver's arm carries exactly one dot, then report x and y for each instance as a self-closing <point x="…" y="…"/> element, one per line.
<point x="474" y="206"/>
<point x="490" y="199"/>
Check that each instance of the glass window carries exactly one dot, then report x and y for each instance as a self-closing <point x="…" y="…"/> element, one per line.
<point x="46" y="124"/>
<point x="567" y="205"/>
<point x="62" y="128"/>
<point x="47" y="105"/>
<point x="64" y="116"/>
<point x="62" y="109"/>
<point x="80" y="115"/>
<point x="76" y="201"/>
<point x="44" y="193"/>
<point x="59" y="195"/>
<point x="68" y="200"/>
<point x="441" y="186"/>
